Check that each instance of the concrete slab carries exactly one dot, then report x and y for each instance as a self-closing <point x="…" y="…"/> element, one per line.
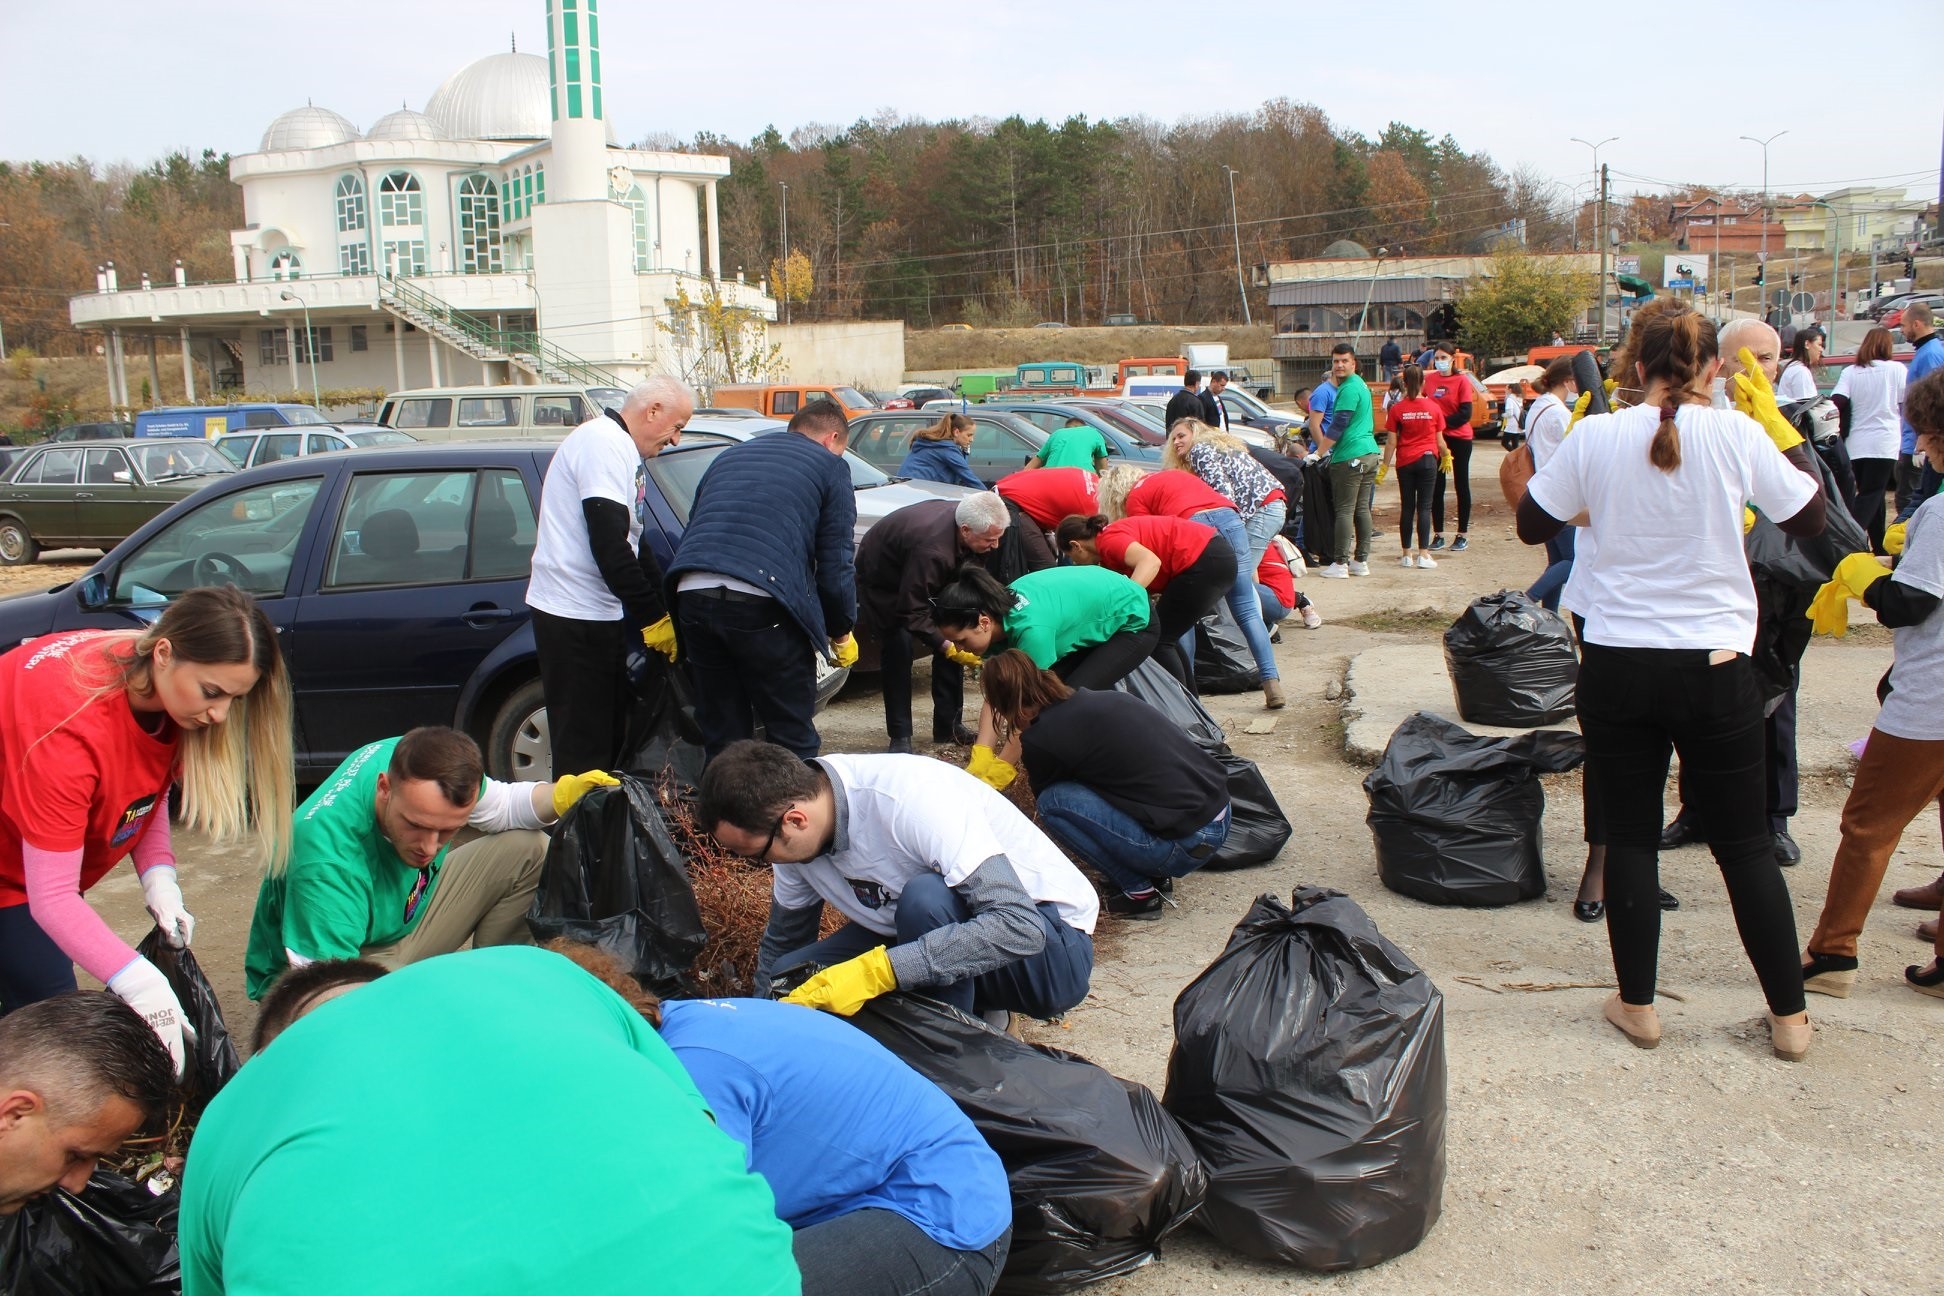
<point x="1386" y="684"/>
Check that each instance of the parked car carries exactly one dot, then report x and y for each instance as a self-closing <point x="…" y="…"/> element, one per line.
<point x="92" y="432"/>
<point x="252" y="449"/>
<point x="1049" y="324"/>
<point x="64" y="495"/>
<point x="1893" y="318"/>
<point x="781" y="400"/>
<point x="1121" y="321"/>
<point x="448" y="413"/>
<point x="1049" y="415"/>
<point x="214" y="420"/>
<point x="356" y="555"/>
<point x="919" y="396"/>
<point x="1139" y="424"/>
<point x="1001" y="444"/>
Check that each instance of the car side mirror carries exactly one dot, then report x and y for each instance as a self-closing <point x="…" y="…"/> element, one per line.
<point x="92" y="592"/>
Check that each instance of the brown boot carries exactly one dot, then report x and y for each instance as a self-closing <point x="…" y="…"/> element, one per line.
<point x="1272" y="695"/>
<point x="1928" y="896"/>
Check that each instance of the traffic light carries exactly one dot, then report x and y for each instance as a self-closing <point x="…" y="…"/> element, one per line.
<point x="1910" y="267"/>
<point x="1794" y="279"/>
<point x="1761" y="273"/>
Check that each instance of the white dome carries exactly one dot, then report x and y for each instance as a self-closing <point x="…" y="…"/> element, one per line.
<point x="405" y="125"/>
<point x="308" y="127"/>
<point x="501" y="97"/>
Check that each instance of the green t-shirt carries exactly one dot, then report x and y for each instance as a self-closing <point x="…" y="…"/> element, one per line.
<point x="489" y="1122"/>
<point x="1064" y="608"/>
<point x="1359" y="438"/>
<point x="1073" y="447"/>
<point x="344" y="888"/>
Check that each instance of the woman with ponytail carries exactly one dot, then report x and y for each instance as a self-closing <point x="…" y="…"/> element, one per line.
<point x="1186" y="566"/>
<point x="939" y="453"/>
<point x="95" y="726"/>
<point x="1669" y="624"/>
<point x="1088" y="625"/>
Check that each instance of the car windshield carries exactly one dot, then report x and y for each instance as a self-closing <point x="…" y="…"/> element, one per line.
<point x="168" y="459"/>
<point x="303" y="415"/>
<point x="851" y="398"/>
<point x="386" y="437"/>
<point x="607" y="397"/>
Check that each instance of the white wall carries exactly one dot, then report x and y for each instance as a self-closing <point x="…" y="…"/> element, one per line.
<point x="376" y="367"/>
<point x="870" y="353"/>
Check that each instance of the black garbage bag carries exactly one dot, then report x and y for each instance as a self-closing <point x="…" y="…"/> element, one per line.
<point x="212" y="1057"/>
<point x="114" y="1237"/>
<point x="1223" y="662"/>
<point x="1319" y="515"/>
<point x="1258" y="829"/>
<point x="1456" y="816"/>
<point x="613" y="877"/>
<point x="661" y="731"/>
<point x="1511" y="662"/>
<point x="1309" y="1072"/>
<point x="1289" y="474"/>
<point x="1806" y="562"/>
<point x="1100" y="1174"/>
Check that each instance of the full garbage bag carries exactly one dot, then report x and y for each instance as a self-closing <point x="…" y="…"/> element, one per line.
<point x="1511" y="662"/>
<point x="1258" y="828"/>
<point x="1806" y="562"/>
<point x="212" y="1058"/>
<point x="1223" y="662"/>
<point x="1309" y="1072"/>
<point x="115" y="1236"/>
<point x="1100" y="1174"/>
<point x="1456" y="816"/>
<point x="1319" y="515"/>
<point x="613" y="877"/>
<point x="661" y="731"/>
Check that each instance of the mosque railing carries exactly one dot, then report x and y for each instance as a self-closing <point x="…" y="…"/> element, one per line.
<point x="521" y="346"/>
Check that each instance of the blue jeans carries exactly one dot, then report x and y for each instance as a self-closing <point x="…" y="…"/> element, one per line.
<point x="1242" y="602"/>
<point x="1042" y="985"/>
<point x="32" y="966"/>
<point x="875" y="1252"/>
<point x="1110" y="839"/>
<point x="1559" y="566"/>
<point x="1272" y="609"/>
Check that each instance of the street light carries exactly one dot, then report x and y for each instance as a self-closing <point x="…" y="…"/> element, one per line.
<point x="310" y="346"/>
<point x="1236" y="225"/>
<point x="1599" y="225"/>
<point x="1596" y="175"/>
<point x="1363" y="322"/>
<point x="1765" y="201"/>
<point x="785" y="275"/>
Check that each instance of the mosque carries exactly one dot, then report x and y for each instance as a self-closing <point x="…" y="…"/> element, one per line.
<point x="499" y="236"/>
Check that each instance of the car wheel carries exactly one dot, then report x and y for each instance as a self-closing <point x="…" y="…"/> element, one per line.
<point x="830" y="678"/>
<point x="17" y="545"/>
<point x="519" y="748"/>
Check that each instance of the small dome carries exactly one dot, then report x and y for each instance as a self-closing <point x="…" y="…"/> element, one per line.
<point x="1346" y="250"/>
<point x="405" y="125"/>
<point x="308" y="127"/>
<point x="500" y="97"/>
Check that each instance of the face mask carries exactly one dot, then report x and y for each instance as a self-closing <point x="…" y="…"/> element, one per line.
<point x="1443" y="365"/>
<point x="1718" y="393"/>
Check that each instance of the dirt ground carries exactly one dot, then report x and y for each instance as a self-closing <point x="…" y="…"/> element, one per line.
<point x="1575" y="1162"/>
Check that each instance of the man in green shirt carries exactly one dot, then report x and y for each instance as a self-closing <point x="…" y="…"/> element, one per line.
<point x="1349" y="440"/>
<point x="493" y="1122"/>
<point x="373" y="868"/>
<point x="1074" y="446"/>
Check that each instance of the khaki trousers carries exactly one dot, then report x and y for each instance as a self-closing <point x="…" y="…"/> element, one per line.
<point x="485" y="888"/>
<point x="1896" y="780"/>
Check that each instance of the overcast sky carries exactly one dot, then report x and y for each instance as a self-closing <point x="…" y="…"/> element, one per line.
<point x="1678" y="86"/>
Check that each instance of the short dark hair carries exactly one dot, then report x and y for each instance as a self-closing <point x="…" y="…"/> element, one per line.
<point x="1220" y="375"/>
<point x="1190" y="378"/>
<point x="973" y="593"/>
<point x="1445" y="346"/>
<point x="751" y="783"/>
<point x="79" y="1049"/>
<point x="296" y="992"/>
<point x="1924" y="404"/>
<point x="443" y="756"/>
<point x="822" y="417"/>
<point x="1343" y="348"/>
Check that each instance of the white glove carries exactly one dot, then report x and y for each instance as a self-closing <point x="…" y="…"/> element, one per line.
<point x="142" y="987"/>
<point x="164" y="900"/>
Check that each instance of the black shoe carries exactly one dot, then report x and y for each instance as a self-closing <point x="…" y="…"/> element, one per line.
<point x="1930" y="983"/>
<point x="1460" y="545"/>
<point x="1829" y="974"/>
<point x="900" y="746"/>
<point x="1275" y="636"/>
<point x="1145" y="906"/>
<point x="1669" y="901"/>
<point x="1437" y="542"/>
<point x="1681" y="832"/>
<point x="1164" y="885"/>
<point x="958" y="733"/>
<point x="1787" y="853"/>
<point x="1589" y="910"/>
<point x="1376" y="534"/>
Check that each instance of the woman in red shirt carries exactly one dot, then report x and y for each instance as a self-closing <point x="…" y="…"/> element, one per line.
<point x="1187" y="565"/>
<point x="95" y="725"/>
<point x="1417" y="443"/>
<point x="1451" y="387"/>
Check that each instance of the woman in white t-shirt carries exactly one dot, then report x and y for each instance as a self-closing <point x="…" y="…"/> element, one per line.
<point x="1797" y="381"/>
<point x="1664" y="665"/>
<point x="1869" y="396"/>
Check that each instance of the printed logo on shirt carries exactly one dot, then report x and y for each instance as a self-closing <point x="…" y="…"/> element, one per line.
<point x="872" y="895"/>
<point x="418" y="893"/>
<point x="131" y="819"/>
<point x="641" y="494"/>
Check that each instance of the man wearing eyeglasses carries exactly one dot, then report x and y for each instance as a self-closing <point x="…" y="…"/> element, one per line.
<point x="948" y="888"/>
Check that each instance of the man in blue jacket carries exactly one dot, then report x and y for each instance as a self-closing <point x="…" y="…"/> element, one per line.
<point x="764" y="577"/>
<point x="1917" y="481"/>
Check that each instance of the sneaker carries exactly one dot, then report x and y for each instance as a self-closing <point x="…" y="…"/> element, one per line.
<point x="1425" y="560"/>
<point x="1460" y="545"/>
<point x="1144" y="906"/>
<point x="1335" y="571"/>
<point x="1405" y="561"/>
<point x="1359" y="568"/>
<point x="1376" y="534"/>
<point x="1437" y="542"/>
<point x="1311" y="618"/>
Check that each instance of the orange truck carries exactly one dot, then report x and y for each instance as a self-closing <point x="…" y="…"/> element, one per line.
<point x="782" y="400"/>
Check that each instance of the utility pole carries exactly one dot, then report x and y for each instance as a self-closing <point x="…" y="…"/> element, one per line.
<point x="1765" y="189"/>
<point x="785" y="275"/>
<point x="1236" y="225"/>
<point x="1603" y="254"/>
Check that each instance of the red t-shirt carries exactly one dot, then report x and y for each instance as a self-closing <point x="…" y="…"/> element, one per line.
<point x="1448" y="392"/>
<point x="1049" y="494"/>
<point x="1177" y="542"/>
<point x="1173" y="493"/>
<point x="1416" y="423"/>
<point x="1274" y="572"/>
<point x="92" y="780"/>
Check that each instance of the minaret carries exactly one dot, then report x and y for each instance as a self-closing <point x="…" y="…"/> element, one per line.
<point x="579" y="163"/>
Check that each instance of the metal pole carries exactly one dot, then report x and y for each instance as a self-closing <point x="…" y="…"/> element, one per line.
<point x="310" y="347"/>
<point x="1765" y="189"/>
<point x="1603" y="255"/>
<point x="1236" y="224"/>
<point x="786" y="252"/>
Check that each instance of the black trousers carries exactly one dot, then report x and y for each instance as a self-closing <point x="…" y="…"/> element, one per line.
<point x="584" y="674"/>
<point x="1191" y="594"/>
<point x="1637" y="707"/>
<point x="751" y="663"/>
<point x="1103" y="665"/>
<point x="1461" y="448"/>
<point x="1416" y="483"/>
<point x="1872" y="480"/>
<point x="897" y="654"/>
<point x="1781" y="784"/>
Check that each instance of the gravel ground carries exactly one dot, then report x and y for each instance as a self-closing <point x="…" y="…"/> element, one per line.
<point x="1575" y="1162"/>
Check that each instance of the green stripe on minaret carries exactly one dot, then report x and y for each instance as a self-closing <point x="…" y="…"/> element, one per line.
<point x="553" y="81"/>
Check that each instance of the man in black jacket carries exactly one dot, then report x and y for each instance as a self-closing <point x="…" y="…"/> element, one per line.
<point x="594" y="593"/>
<point x="1214" y="413"/>
<point x="1185" y="403"/>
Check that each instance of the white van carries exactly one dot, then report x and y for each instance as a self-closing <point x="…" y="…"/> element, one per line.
<point x="1163" y="385"/>
<point x="491" y="413"/>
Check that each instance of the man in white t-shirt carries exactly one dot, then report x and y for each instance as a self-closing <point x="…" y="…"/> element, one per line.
<point x="594" y="592"/>
<point x="948" y="888"/>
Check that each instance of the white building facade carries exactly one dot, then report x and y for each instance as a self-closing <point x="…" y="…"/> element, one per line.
<point x="498" y="236"/>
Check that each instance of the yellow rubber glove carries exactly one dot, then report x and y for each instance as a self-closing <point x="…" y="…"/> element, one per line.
<point x="1755" y="398"/>
<point x="848" y="986"/>
<point x="1858" y="572"/>
<point x="1748" y="519"/>
<point x="1444" y="462"/>
<point x="573" y="787"/>
<point x="1586" y="399"/>
<point x="1383" y="471"/>
<point x="1829" y="611"/>
<point x="661" y="637"/>
<point x="846" y="650"/>
<point x="986" y="767"/>
<point x="1895" y="537"/>
<point x="954" y="653"/>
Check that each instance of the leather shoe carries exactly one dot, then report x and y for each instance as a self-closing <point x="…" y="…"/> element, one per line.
<point x="1589" y="910"/>
<point x="1682" y="832"/>
<point x="1639" y="1025"/>
<point x="1928" y="896"/>
<point x="961" y="734"/>
<point x="1669" y="902"/>
<point x="1787" y="853"/>
<point x="899" y="746"/>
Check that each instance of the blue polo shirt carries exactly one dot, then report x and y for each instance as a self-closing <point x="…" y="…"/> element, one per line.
<point x="835" y="1122"/>
<point x="1322" y="400"/>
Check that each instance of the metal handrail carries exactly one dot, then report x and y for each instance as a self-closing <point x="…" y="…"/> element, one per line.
<point x="519" y="344"/>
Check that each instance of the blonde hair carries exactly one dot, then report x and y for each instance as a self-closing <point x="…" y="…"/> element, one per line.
<point x="1200" y="434"/>
<point x="944" y="429"/>
<point x="238" y="776"/>
<point x="1116" y="480"/>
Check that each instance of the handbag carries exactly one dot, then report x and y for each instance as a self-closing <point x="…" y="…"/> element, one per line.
<point x="1515" y="471"/>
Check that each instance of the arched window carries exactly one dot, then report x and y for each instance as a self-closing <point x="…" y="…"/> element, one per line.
<point x="286" y="264"/>
<point x="350" y="204"/>
<point x="643" y="261"/>
<point x="479" y="225"/>
<point x="400" y="200"/>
